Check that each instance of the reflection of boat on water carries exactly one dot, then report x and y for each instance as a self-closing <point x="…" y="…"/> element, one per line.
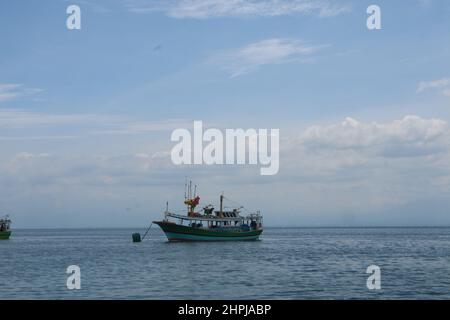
<point x="210" y="225"/>
<point x="5" y="231"/>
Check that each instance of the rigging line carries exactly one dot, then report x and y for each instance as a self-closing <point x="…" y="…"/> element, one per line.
<point x="238" y="204"/>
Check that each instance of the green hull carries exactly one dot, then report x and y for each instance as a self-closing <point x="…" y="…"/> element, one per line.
<point x="4" y="235"/>
<point x="175" y="232"/>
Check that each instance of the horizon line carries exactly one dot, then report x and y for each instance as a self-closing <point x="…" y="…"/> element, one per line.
<point x="271" y="227"/>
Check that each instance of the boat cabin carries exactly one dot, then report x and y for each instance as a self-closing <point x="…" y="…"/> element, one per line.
<point x="5" y="224"/>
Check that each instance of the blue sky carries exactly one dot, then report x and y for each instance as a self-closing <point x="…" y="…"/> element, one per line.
<point x="86" y="115"/>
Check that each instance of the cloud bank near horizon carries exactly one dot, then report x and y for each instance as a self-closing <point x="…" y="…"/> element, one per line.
<point x="361" y="167"/>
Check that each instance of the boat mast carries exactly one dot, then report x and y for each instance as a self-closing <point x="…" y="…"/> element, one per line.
<point x="185" y="193"/>
<point x="221" y="205"/>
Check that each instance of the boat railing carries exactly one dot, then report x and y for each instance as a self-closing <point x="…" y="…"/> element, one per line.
<point x="256" y="217"/>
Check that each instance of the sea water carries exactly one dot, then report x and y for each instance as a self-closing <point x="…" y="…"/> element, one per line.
<point x="287" y="263"/>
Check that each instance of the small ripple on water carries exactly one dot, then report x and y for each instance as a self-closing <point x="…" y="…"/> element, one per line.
<point x="286" y="264"/>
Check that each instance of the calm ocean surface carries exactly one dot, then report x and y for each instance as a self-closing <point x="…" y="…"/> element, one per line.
<point x="288" y="263"/>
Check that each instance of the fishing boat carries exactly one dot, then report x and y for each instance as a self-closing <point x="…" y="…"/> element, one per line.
<point x="210" y="225"/>
<point x="5" y="231"/>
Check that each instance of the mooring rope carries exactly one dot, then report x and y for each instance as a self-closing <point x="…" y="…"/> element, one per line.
<point x="147" y="231"/>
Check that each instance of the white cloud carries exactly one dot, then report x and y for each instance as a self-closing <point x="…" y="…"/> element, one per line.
<point x="28" y="155"/>
<point x="270" y="51"/>
<point x="352" y="146"/>
<point x="12" y="119"/>
<point x="443" y="84"/>
<point x="95" y="6"/>
<point x="87" y="169"/>
<point x="10" y="91"/>
<point x="409" y="131"/>
<point x="367" y="166"/>
<point x="323" y="150"/>
<point x="25" y="157"/>
<point x="135" y="127"/>
<point x="201" y="9"/>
